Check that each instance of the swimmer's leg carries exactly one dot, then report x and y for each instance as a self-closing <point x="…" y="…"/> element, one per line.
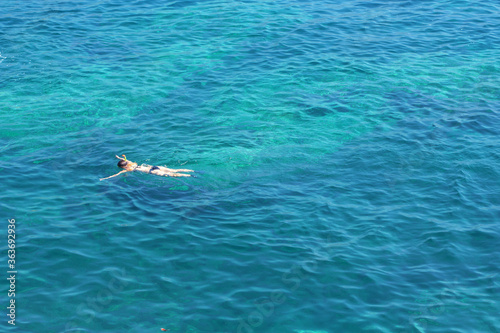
<point x="159" y="172"/>
<point x="174" y="174"/>
<point x="164" y="169"/>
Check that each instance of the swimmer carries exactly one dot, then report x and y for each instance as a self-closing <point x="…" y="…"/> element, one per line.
<point x="155" y="170"/>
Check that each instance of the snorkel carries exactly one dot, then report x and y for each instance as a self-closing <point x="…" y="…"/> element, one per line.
<point x="132" y="165"/>
<point x="123" y="162"/>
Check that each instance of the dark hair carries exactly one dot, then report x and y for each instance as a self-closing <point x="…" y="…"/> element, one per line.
<point x="122" y="163"/>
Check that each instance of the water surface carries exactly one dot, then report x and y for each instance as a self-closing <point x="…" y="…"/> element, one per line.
<point x="348" y="158"/>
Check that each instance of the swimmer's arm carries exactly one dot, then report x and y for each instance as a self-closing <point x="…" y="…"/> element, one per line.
<point x="120" y="158"/>
<point x="114" y="175"/>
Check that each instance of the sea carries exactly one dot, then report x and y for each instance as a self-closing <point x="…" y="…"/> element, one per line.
<point x="346" y="158"/>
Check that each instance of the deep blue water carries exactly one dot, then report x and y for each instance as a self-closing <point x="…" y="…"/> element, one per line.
<point x="348" y="160"/>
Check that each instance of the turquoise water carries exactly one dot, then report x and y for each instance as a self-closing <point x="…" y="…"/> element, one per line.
<point x="347" y="153"/>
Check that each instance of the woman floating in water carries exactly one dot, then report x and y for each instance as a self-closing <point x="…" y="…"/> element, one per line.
<point x="155" y="170"/>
